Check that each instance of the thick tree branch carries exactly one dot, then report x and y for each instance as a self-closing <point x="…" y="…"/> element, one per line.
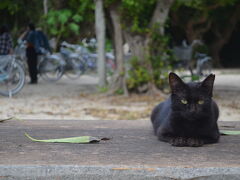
<point x="119" y="76"/>
<point x="160" y="13"/>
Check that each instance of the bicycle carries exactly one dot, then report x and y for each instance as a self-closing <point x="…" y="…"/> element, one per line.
<point x="53" y="67"/>
<point x="49" y="65"/>
<point x="184" y="55"/>
<point x="87" y="61"/>
<point x="12" y="75"/>
<point x="74" y="66"/>
<point x="204" y="64"/>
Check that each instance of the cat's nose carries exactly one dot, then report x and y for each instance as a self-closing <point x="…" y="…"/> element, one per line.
<point x="192" y="108"/>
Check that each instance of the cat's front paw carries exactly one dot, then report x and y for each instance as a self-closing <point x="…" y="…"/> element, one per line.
<point x="194" y="142"/>
<point x="178" y="141"/>
<point x="181" y="142"/>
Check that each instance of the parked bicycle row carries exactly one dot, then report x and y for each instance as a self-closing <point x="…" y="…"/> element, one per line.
<point x="72" y="60"/>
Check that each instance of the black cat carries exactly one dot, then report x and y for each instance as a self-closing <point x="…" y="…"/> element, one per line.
<point x="189" y="116"/>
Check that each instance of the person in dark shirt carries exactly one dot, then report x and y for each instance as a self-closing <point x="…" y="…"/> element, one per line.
<point x="37" y="43"/>
<point x="33" y="46"/>
<point x="6" y="44"/>
<point x="44" y="43"/>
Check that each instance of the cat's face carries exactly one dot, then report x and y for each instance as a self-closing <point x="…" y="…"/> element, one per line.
<point x="192" y="99"/>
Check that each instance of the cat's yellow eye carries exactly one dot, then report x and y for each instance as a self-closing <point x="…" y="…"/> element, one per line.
<point x="200" y="102"/>
<point x="184" y="101"/>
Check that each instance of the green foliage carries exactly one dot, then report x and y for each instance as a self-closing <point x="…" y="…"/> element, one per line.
<point x="119" y="92"/>
<point x="65" y="19"/>
<point x="103" y="89"/>
<point x="12" y="6"/>
<point x="138" y="75"/>
<point x="74" y="28"/>
<point x="83" y="10"/>
<point x="214" y="10"/>
<point x="161" y="67"/>
<point x="162" y="57"/>
<point x="137" y="13"/>
<point x="108" y="45"/>
<point x="77" y="18"/>
<point x="204" y="4"/>
<point x="62" y="22"/>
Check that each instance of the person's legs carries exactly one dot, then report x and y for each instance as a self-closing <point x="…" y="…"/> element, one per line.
<point x="32" y="64"/>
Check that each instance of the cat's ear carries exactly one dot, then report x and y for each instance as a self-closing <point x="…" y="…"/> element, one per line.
<point x="207" y="84"/>
<point x="175" y="82"/>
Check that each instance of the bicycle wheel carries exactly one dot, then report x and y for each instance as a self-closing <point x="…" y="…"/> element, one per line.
<point x="13" y="82"/>
<point x="75" y="68"/>
<point x="50" y="69"/>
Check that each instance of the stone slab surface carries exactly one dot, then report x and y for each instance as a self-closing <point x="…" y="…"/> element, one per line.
<point x="132" y="152"/>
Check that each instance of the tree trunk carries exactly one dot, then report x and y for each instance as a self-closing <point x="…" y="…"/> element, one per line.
<point x="45" y="7"/>
<point x="159" y="17"/>
<point x="119" y="80"/>
<point x="139" y="44"/>
<point x="100" y="33"/>
<point x="161" y="13"/>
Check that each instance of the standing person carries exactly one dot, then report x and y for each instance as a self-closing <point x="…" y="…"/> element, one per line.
<point x="31" y="52"/>
<point x="44" y="43"/>
<point x="6" y="44"/>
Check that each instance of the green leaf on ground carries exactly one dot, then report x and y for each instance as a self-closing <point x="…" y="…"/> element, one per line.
<point x="79" y="140"/>
<point x="3" y="120"/>
<point x="229" y="132"/>
<point x="7" y="119"/>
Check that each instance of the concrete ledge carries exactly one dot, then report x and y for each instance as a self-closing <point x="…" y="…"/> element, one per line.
<point x="24" y="172"/>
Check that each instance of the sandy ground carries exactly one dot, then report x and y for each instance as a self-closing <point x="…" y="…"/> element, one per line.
<point x="80" y="99"/>
<point x="227" y="94"/>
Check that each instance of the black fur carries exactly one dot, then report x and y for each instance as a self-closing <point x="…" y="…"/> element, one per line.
<point x="189" y="116"/>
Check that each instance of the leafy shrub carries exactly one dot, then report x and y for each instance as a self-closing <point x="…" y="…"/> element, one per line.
<point x="137" y="75"/>
<point x="160" y="61"/>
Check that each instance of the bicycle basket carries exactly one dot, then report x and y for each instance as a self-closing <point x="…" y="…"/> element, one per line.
<point x="183" y="53"/>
